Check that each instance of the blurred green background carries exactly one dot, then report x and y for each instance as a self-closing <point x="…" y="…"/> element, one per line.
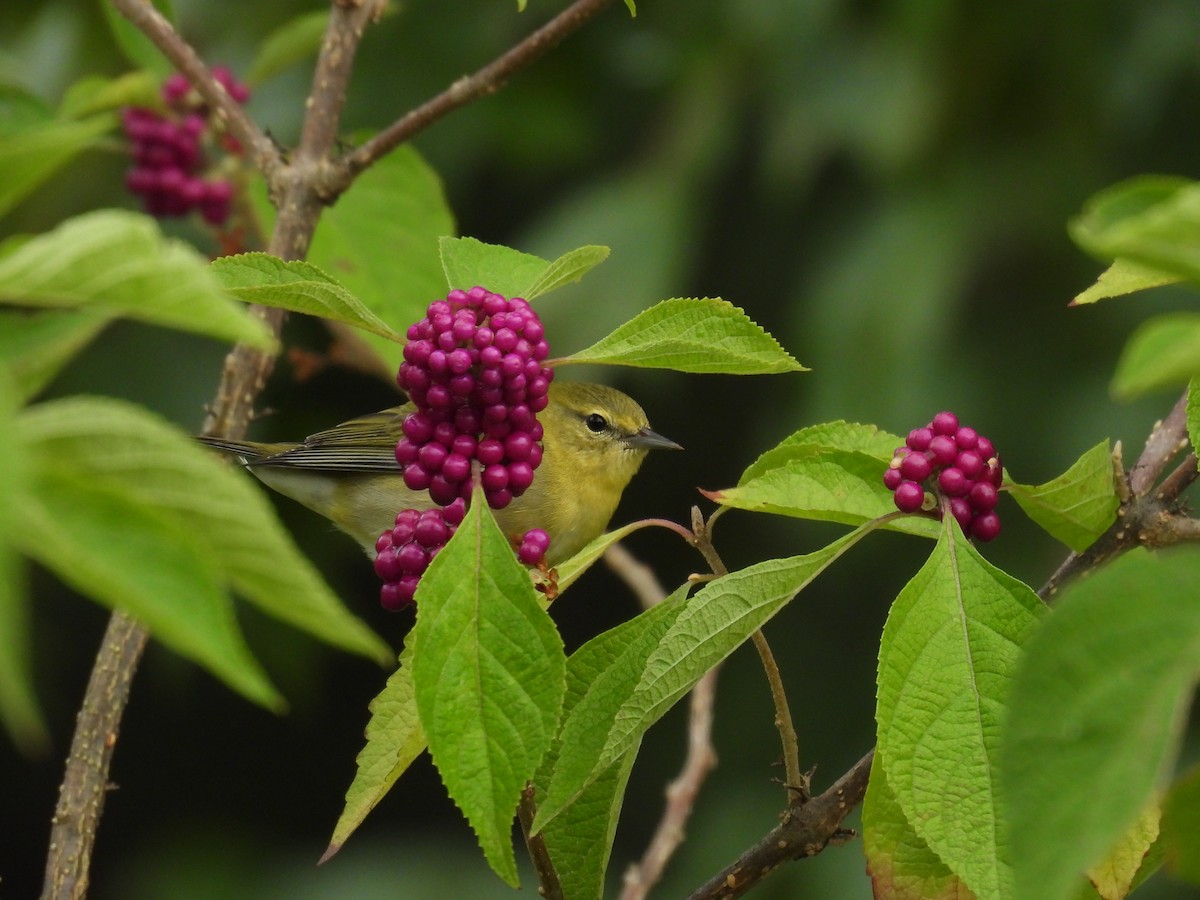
<point x="882" y="185"/>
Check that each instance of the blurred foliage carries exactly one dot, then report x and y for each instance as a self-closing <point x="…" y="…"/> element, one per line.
<point x="884" y="186"/>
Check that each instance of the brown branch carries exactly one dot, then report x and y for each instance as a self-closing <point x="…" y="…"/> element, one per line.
<point x="805" y="830"/>
<point x="85" y="784"/>
<point x="259" y="148"/>
<point x="549" y="887"/>
<point x="700" y="759"/>
<point x="486" y="81"/>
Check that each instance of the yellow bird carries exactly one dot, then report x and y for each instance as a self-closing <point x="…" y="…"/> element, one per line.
<point x="594" y="442"/>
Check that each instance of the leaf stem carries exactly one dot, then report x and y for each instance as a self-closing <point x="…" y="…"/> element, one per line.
<point x="549" y="886"/>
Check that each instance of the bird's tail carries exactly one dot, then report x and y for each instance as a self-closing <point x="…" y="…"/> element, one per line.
<point x="246" y="451"/>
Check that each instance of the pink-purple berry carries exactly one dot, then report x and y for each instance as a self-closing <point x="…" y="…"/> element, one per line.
<point x="404" y="553"/>
<point x="956" y="462"/>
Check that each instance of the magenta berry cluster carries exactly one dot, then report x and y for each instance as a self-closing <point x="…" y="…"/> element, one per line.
<point x="169" y="161"/>
<point x="403" y="554"/>
<point x="473" y="368"/>
<point x="955" y="462"/>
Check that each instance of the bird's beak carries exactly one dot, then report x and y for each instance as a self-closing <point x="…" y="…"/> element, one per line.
<point x="645" y="439"/>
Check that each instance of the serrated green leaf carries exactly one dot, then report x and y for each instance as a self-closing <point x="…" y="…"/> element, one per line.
<point x="138" y="48"/>
<point x="130" y="451"/>
<point x="949" y="646"/>
<point x="1079" y="505"/>
<point x="127" y="556"/>
<point x="36" y="345"/>
<point x="119" y="262"/>
<point x="691" y="335"/>
<point x="96" y="94"/>
<point x="30" y="156"/>
<point x="394" y="740"/>
<point x="1151" y="220"/>
<point x="601" y="676"/>
<point x="822" y="482"/>
<point x="1162" y="352"/>
<point x="489" y="676"/>
<point x="380" y="241"/>
<point x="468" y="262"/>
<point x="1181" y="827"/>
<point x="1096" y="713"/>
<point x="839" y="434"/>
<point x="297" y="287"/>
<point x="1124" y="277"/>
<point x="19" y="711"/>
<point x="293" y="42"/>
<point x="901" y="865"/>
<point x="569" y="267"/>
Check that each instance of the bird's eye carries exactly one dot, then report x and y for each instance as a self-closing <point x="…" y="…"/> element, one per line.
<point x="596" y="423"/>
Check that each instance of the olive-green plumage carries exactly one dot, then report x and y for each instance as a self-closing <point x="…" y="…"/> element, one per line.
<point x="595" y="439"/>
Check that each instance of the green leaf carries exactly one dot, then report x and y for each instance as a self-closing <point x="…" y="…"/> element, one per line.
<point x="1097" y="709"/>
<point x="901" y="865"/>
<point x="689" y="335"/>
<point x="127" y="556"/>
<point x="1193" y="412"/>
<point x="293" y="42"/>
<point x="569" y="571"/>
<point x="945" y="660"/>
<point x="601" y="676"/>
<point x="380" y="241"/>
<point x="30" y="156"/>
<point x="1113" y="876"/>
<point x="1162" y="352"/>
<point x="297" y="287"/>
<point x="128" y="450"/>
<point x="569" y="267"/>
<point x="36" y="345"/>
<point x="1079" y="505"/>
<point x="1181" y="827"/>
<point x="138" y="48"/>
<point x="1124" y="277"/>
<point x="489" y="676"/>
<point x="831" y="472"/>
<point x="394" y="740"/>
<point x="468" y="262"/>
<point x="96" y="94"/>
<point x="18" y="704"/>
<point x="1151" y="220"/>
<point x="119" y="262"/>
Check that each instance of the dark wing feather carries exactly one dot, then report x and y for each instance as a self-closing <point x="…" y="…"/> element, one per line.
<point x="365" y="444"/>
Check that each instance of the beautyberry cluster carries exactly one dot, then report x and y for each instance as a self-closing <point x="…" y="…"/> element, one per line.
<point x="473" y="370"/>
<point x="954" y="461"/>
<point x="169" y="161"/>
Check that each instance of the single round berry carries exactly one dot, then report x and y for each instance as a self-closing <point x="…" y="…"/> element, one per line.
<point x="986" y="527"/>
<point x="953" y="483"/>
<point x="909" y="496"/>
<point x="983" y="497"/>
<point x="916" y="467"/>
<point x="919" y="438"/>
<point x="943" y="450"/>
<point x="944" y="423"/>
<point x="892" y="478"/>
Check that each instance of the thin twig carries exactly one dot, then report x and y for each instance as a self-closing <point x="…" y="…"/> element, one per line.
<point x="486" y="81"/>
<point x="549" y="885"/>
<point x="805" y="830"/>
<point x="85" y="784"/>
<point x="700" y="759"/>
<point x="796" y="781"/>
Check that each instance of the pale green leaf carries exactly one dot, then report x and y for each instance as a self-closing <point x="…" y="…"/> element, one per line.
<point x="293" y="42"/>
<point x="569" y="571"/>
<point x="1097" y="711"/>
<point x="19" y="711"/>
<point x="1193" y="412"/>
<point x="394" y="740"/>
<point x="1181" y="827"/>
<point x="949" y="646"/>
<point x="1152" y="220"/>
<point x="32" y="155"/>
<point x="1124" y="277"/>
<point x="116" y="550"/>
<point x="119" y="262"/>
<point x="901" y="865"/>
<point x="468" y="263"/>
<point x="691" y="335"/>
<point x="128" y="450"/>
<point x="36" y="345"/>
<point x="1163" y="352"/>
<point x="569" y="267"/>
<point x="95" y="93"/>
<point x="489" y="676"/>
<point x="1114" y="875"/>
<point x="297" y="287"/>
<point x="1079" y="505"/>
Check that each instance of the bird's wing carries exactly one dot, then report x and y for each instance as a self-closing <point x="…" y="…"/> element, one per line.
<point x="365" y="444"/>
